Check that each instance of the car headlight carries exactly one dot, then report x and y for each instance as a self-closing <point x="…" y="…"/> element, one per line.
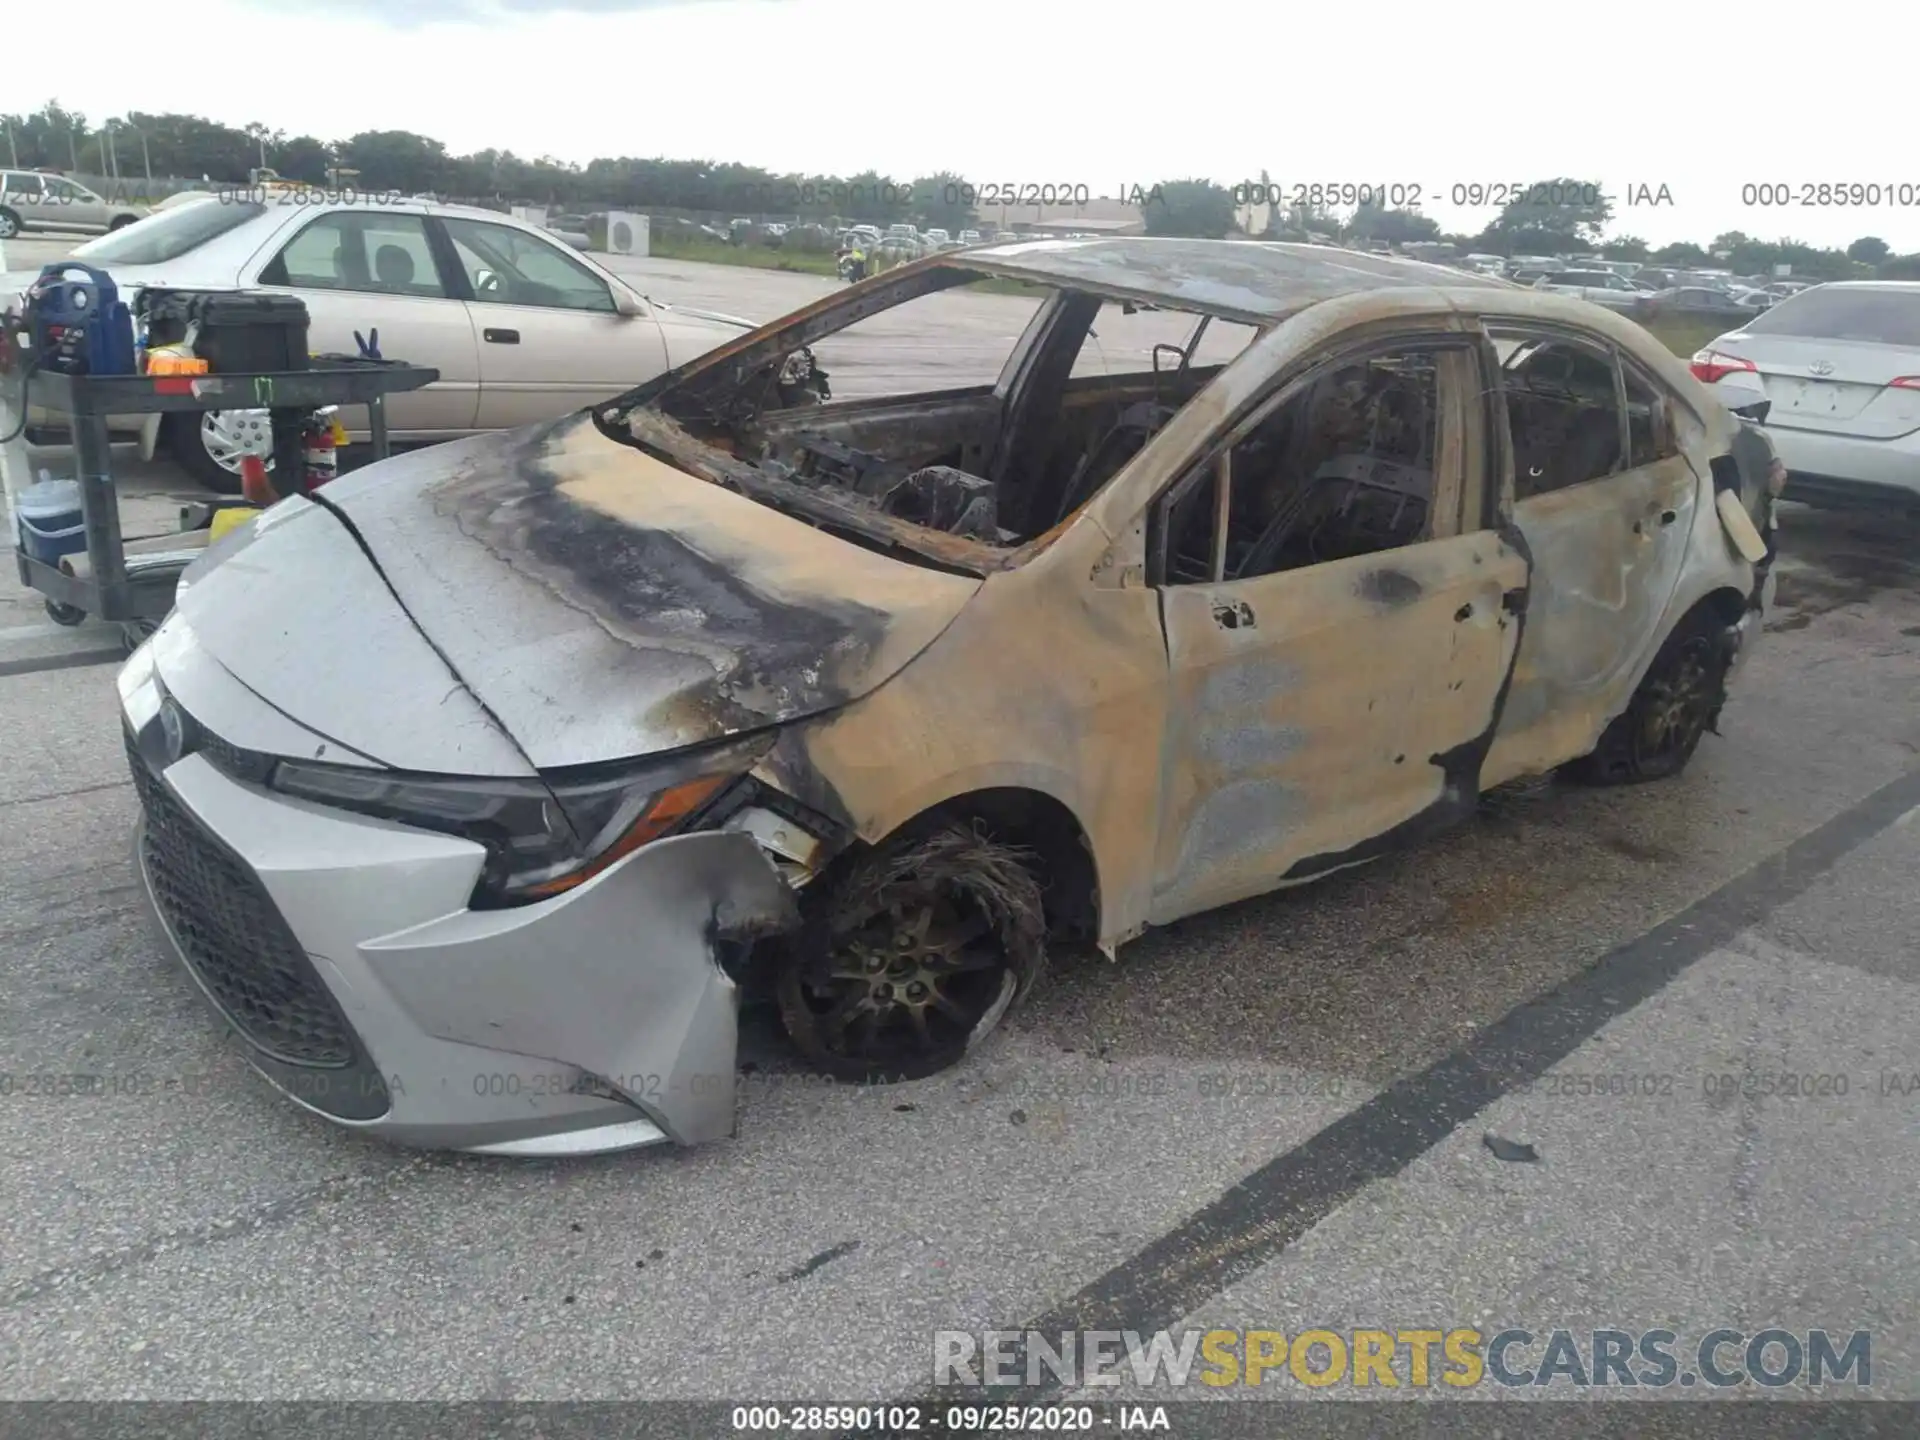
<point x="545" y="835"/>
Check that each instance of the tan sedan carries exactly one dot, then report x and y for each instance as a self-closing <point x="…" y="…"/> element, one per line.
<point x="520" y="326"/>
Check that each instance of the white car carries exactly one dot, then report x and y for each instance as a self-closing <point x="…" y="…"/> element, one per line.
<point x="182" y="197"/>
<point x="520" y="327"/>
<point x="1601" y="287"/>
<point x="1839" y="369"/>
<point x="34" y="200"/>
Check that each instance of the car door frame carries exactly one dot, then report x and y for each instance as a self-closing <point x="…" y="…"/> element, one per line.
<point x="1549" y="718"/>
<point x="302" y="219"/>
<point x="454" y="273"/>
<point x="1273" y="771"/>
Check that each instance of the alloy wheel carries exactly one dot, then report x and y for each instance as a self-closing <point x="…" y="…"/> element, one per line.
<point x="907" y="986"/>
<point x="1678" y="705"/>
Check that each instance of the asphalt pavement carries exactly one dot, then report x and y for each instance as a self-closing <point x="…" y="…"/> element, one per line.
<point x="1685" y="1013"/>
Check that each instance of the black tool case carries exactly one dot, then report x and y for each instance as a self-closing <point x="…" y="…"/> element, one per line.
<point x="241" y="331"/>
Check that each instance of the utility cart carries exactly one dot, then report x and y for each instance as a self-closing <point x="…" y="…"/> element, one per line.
<point x="136" y="590"/>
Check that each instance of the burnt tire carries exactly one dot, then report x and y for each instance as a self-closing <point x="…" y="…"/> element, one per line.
<point x="1678" y="701"/>
<point x="912" y="956"/>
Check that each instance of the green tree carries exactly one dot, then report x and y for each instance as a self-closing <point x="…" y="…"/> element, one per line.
<point x="940" y="200"/>
<point x="1198" y="209"/>
<point x="1682" y="253"/>
<point x="1869" y="250"/>
<point x="395" y="160"/>
<point x="303" y="158"/>
<point x="1626" y="247"/>
<point x="48" y="139"/>
<point x="1376" y="223"/>
<point x="1551" y="215"/>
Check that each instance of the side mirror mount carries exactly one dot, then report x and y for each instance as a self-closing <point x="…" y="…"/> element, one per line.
<point x="485" y="282"/>
<point x="625" y="302"/>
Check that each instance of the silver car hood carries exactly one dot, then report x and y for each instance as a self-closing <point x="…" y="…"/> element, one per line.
<point x="713" y="315"/>
<point x="600" y="604"/>
<point x="292" y="609"/>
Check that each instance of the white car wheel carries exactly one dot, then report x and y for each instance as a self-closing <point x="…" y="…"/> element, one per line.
<point x="210" y="446"/>
<point x="230" y="434"/>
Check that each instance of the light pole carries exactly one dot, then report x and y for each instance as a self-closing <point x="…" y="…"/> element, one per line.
<point x="113" y="156"/>
<point x="13" y="146"/>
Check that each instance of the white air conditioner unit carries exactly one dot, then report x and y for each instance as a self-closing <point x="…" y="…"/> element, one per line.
<point x="627" y="234"/>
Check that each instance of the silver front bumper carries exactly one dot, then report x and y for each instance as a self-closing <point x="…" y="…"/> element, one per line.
<point x="597" y="1020"/>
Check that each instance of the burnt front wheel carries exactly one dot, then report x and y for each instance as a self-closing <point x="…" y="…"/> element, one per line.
<point x="1678" y="701"/>
<point x="913" y="956"/>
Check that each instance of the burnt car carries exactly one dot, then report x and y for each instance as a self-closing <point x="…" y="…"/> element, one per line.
<point x="480" y="788"/>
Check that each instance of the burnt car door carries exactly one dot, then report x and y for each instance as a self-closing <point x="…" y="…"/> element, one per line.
<point x="1604" y="500"/>
<point x="1339" y="611"/>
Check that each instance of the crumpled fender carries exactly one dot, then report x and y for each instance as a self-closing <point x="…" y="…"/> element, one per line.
<point x="616" y="977"/>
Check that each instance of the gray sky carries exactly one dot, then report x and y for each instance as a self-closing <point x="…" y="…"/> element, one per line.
<point x="1105" y="95"/>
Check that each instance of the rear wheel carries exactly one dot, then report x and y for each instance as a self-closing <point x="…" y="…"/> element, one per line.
<point x="120" y="222"/>
<point x="913" y="956"/>
<point x="9" y="223"/>
<point x="1678" y="701"/>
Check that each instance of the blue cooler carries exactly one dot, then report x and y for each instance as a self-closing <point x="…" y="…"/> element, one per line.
<point x="52" y="523"/>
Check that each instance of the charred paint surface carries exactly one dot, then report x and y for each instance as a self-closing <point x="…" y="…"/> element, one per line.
<point x="1389" y="587"/>
<point x="1605" y="571"/>
<point x="1461" y="766"/>
<point x="1346" y="716"/>
<point x="605" y="605"/>
<point x="1043" y="683"/>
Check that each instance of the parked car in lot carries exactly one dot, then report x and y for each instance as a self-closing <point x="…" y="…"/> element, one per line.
<point x="727" y="686"/>
<point x="519" y="326"/>
<point x="1697" y="301"/>
<point x="1839" y="369"/>
<point x="34" y="200"/>
<point x="1602" y="287"/>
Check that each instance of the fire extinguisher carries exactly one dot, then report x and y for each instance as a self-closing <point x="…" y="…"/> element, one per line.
<point x="321" y="439"/>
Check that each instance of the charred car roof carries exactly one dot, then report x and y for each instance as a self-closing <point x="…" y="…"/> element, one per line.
<point x="1254" y="281"/>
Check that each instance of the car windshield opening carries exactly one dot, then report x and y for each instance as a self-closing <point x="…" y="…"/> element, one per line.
<point x="1057" y="390"/>
<point x="169" y="234"/>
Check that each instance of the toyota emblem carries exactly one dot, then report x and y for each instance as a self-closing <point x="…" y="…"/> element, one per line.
<point x="173" y="730"/>
<point x="1821" y="367"/>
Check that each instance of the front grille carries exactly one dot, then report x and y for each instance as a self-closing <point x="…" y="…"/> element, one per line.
<point x="232" y="935"/>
